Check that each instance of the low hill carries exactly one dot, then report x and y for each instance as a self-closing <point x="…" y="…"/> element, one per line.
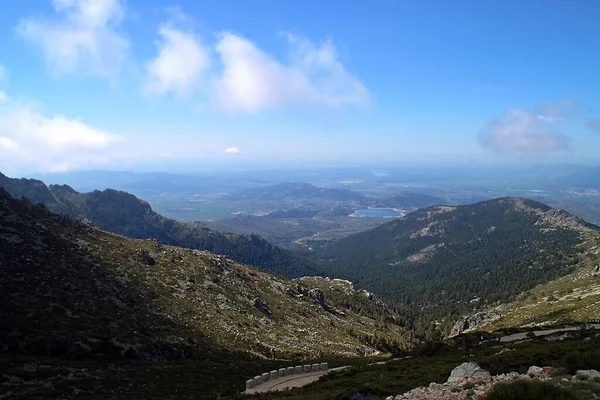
<point x="295" y="190"/>
<point x="125" y="214"/>
<point x="70" y="289"/>
<point x="444" y="260"/>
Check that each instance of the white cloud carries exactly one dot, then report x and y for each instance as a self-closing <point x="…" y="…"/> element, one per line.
<point x="180" y="64"/>
<point x="30" y="138"/>
<point x="8" y="144"/>
<point x="550" y="119"/>
<point x="3" y="97"/>
<point x="521" y="132"/>
<point x="236" y="75"/>
<point x="232" y="150"/>
<point x="252" y="79"/>
<point x="83" y="37"/>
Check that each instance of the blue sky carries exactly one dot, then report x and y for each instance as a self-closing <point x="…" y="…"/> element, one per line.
<point x="125" y="84"/>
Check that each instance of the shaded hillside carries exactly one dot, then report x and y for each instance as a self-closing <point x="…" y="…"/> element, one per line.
<point x="444" y="259"/>
<point x="125" y="214"/>
<point x="69" y="289"/>
<point x="297" y="191"/>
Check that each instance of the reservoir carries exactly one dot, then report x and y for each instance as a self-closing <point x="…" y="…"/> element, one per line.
<point x="378" y="212"/>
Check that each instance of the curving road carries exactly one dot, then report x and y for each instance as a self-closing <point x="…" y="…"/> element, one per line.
<point x="544" y="332"/>
<point x="291" y="381"/>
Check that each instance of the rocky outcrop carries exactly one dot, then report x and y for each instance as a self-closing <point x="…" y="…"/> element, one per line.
<point x="146" y="257"/>
<point x="472" y="322"/>
<point x="468" y="372"/>
<point x="262" y="306"/>
<point x="469" y="381"/>
<point x="319" y="296"/>
<point x="587" y="375"/>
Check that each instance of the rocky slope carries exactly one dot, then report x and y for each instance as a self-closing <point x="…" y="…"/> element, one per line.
<point x="70" y="289"/>
<point x="444" y="260"/>
<point x="122" y="213"/>
<point x="469" y="381"/>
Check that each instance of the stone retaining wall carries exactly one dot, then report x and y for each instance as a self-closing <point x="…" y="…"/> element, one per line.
<point x="283" y="372"/>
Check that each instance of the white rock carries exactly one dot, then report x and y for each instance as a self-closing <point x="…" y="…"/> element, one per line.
<point x="534" y="371"/>
<point x="587" y="374"/>
<point x="468" y="371"/>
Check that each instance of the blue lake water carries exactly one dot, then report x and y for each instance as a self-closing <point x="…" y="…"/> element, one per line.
<point x="377" y="212"/>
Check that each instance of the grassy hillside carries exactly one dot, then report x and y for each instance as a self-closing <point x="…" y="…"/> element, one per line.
<point x="443" y="260"/>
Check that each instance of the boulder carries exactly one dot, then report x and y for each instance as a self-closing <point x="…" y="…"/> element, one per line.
<point x="534" y="371"/>
<point x="146" y="257"/>
<point x="588" y="375"/>
<point x="468" y="372"/>
<point x="471" y="322"/>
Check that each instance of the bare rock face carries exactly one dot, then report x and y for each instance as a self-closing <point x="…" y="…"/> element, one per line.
<point x="318" y="295"/>
<point x="262" y="306"/>
<point x="468" y="372"/>
<point x="470" y="322"/>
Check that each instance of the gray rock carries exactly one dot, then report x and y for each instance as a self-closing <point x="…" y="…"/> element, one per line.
<point x="534" y="371"/>
<point x="146" y="257"/>
<point x="468" y="372"/>
<point x="587" y="375"/>
<point x="470" y="322"/>
<point x="262" y="306"/>
<point x="318" y="295"/>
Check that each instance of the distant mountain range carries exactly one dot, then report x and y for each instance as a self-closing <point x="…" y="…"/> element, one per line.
<point x="442" y="261"/>
<point x="295" y="190"/>
<point x="125" y="214"/>
<point x="586" y="178"/>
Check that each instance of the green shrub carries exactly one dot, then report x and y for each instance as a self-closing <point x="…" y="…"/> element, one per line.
<point x="529" y="390"/>
<point x="581" y="360"/>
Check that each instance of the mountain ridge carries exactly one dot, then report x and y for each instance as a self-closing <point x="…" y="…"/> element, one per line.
<point x="123" y="213"/>
<point x="444" y="260"/>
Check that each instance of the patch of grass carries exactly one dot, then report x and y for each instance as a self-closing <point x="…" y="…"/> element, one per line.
<point x="581" y="360"/>
<point x="530" y="390"/>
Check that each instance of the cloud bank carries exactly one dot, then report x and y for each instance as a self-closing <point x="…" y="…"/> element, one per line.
<point x="179" y="65"/>
<point x="54" y="143"/>
<point x="248" y="79"/>
<point x="519" y="132"/>
<point x="83" y="36"/>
